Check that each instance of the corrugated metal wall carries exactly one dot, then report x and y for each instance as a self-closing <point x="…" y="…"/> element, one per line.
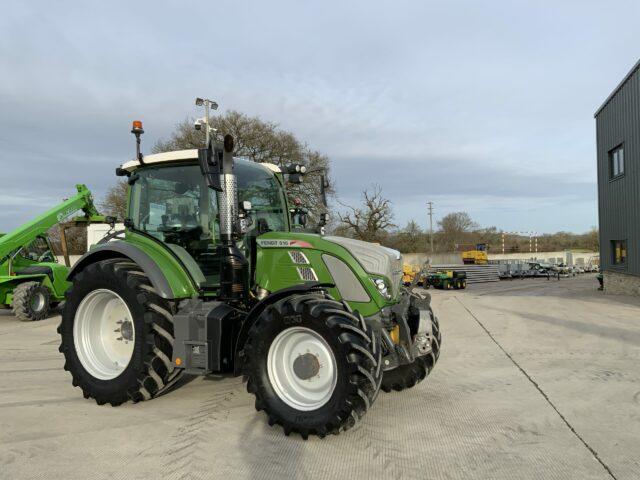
<point x="619" y="200"/>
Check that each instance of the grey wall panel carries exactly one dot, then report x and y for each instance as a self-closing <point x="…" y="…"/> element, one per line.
<point x="619" y="200"/>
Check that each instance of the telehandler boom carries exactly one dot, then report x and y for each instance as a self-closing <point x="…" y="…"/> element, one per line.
<point x="31" y="279"/>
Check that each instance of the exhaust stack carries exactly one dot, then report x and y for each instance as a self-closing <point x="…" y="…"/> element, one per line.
<point x="216" y="164"/>
<point x="234" y="268"/>
<point x="228" y="195"/>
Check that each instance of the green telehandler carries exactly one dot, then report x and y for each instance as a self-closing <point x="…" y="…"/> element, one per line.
<point x="31" y="279"/>
<point x="211" y="275"/>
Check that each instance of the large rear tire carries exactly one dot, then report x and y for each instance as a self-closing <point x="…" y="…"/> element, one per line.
<point x="407" y="376"/>
<point x="117" y="334"/>
<point x="313" y="365"/>
<point x="31" y="302"/>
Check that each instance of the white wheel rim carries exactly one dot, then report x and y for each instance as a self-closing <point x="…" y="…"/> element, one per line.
<point x="104" y="334"/>
<point x="37" y="302"/>
<point x="302" y="368"/>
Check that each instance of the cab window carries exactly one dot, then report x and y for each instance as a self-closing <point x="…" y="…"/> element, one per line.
<point x="38" y="251"/>
<point x="260" y="187"/>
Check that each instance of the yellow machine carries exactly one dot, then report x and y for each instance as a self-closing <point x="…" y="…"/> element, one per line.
<point x="476" y="257"/>
<point x="409" y="273"/>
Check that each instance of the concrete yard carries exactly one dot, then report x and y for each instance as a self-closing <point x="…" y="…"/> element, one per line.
<point x="537" y="379"/>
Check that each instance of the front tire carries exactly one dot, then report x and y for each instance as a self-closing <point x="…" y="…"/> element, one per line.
<point x="313" y="365"/>
<point x="31" y="302"/>
<point x="408" y="376"/>
<point x="117" y="334"/>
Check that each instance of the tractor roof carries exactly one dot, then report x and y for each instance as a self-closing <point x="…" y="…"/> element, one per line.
<point x="181" y="156"/>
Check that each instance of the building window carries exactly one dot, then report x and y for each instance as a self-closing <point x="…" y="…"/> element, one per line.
<point x="616" y="162"/>
<point x="619" y="249"/>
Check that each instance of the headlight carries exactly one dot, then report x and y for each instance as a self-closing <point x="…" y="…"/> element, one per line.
<point x="382" y="287"/>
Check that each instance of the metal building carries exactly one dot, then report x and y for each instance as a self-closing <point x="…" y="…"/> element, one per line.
<point x="618" y="144"/>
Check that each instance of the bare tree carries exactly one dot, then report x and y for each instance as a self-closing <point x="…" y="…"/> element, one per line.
<point x="76" y="240"/>
<point x="260" y="141"/>
<point x="411" y="238"/>
<point x="457" y="222"/>
<point x="370" y="221"/>
<point x="115" y="201"/>
<point x="592" y="239"/>
<point x="454" y="229"/>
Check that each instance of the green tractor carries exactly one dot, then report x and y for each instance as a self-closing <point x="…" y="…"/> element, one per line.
<point x="32" y="282"/>
<point x="446" y="280"/>
<point x="210" y="276"/>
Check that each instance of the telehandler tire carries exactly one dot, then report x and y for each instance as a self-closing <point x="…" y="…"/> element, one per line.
<point x="407" y="376"/>
<point x="313" y="365"/>
<point x="31" y="302"/>
<point x="117" y="334"/>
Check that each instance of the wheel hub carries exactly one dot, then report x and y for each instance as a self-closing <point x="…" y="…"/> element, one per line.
<point x="306" y="366"/>
<point x="37" y="302"/>
<point x="103" y="334"/>
<point x="302" y="368"/>
<point x="125" y="330"/>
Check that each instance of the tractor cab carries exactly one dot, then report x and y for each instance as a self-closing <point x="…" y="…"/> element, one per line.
<point x="171" y="201"/>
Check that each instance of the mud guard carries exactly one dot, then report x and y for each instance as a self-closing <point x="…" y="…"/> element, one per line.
<point x="122" y="249"/>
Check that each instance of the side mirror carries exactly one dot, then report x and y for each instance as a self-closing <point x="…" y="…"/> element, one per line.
<point x="299" y="217"/>
<point x="211" y="166"/>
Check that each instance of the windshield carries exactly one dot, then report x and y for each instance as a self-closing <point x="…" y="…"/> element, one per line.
<point x="260" y="187"/>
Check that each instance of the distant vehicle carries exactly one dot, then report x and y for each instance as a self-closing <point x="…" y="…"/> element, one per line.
<point x="446" y="280"/>
<point x="476" y="257"/>
<point x="32" y="282"/>
<point x="562" y="269"/>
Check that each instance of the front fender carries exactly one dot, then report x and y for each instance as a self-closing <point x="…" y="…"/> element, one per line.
<point x="167" y="276"/>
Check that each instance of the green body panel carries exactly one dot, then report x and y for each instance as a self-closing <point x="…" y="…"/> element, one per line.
<point x="275" y="270"/>
<point x="179" y="280"/>
<point x="57" y="287"/>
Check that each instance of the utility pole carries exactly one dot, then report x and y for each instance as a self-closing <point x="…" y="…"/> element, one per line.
<point x="430" y="206"/>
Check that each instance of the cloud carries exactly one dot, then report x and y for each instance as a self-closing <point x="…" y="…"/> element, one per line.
<point x="485" y="107"/>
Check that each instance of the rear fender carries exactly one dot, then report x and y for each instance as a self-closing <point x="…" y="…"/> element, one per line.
<point x="167" y="276"/>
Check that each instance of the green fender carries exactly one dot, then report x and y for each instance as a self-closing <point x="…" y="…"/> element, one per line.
<point x="167" y="273"/>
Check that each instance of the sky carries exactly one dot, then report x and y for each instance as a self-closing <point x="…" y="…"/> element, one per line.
<point x="479" y="106"/>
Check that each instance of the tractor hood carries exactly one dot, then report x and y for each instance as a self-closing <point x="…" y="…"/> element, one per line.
<point x="375" y="259"/>
<point x="355" y="268"/>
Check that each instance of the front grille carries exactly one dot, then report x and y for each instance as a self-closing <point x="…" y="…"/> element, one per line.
<point x="298" y="257"/>
<point x="307" y="274"/>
